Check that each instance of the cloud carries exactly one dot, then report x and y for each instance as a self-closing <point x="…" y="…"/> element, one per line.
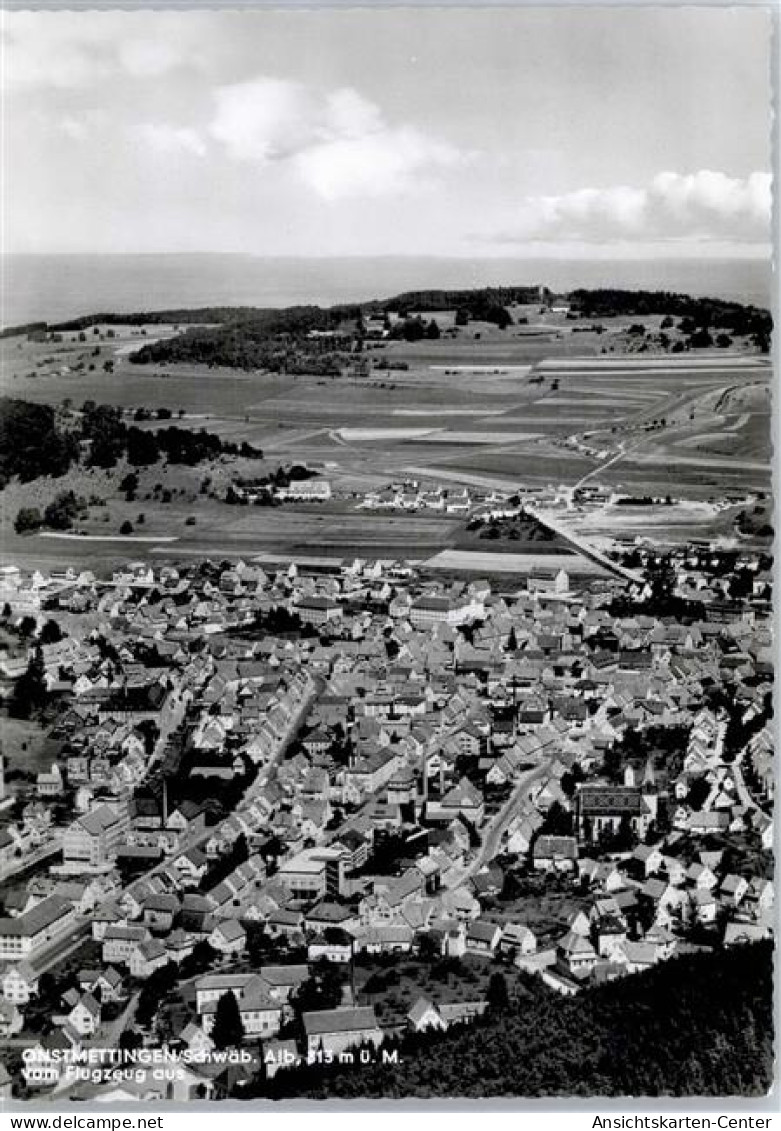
<point x="702" y="206"/>
<point x="72" y="50"/>
<point x="339" y="145"/>
<point x="166" y="139"/>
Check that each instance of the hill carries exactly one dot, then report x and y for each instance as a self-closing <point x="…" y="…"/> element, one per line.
<point x="699" y="1025"/>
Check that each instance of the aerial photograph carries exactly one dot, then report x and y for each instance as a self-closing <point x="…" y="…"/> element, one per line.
<point x="386" y="556"/>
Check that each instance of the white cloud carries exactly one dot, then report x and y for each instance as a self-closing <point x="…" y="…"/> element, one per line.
<point x="705" y="205"/>
<point x="147" y="57"/>
<point x="339" y="144"/>
<point x="71" y="50"/>
<point x="166" y="139"/>
<point x="377" y="164"/>
<point x="264" y="120"/>
<point x="74" y="128"/>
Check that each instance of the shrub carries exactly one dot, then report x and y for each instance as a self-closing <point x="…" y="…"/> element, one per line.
<point x="27" y="519"/>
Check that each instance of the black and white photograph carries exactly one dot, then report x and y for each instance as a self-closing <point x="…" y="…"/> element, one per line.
<point x="386" y="556"/>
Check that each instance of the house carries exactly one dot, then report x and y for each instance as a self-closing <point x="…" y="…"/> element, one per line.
<point x="159" y="912"/>
<point x="282" y="981"/>
<point x="211" y="987"/>
<point x="199" y="1042"/>
<point x="576" y="952"/>
<point x="517" y="939"/>
<point x="85" y="1015"/>
<point x="555" y="853"/>
<point x="333" y="944"/>
<point x="229" y="937"/>
<point x="461" y="1012"/>
<point x="335" y="1030"/>
<point x="319" y="610"/>
<point x="119" y="942"/>
<point x="146" y="957"/>
<point x="425" y="1015"/>
<point x="482" y="937"/>
<point x="11" y="1019"/>
<point x="19" y="983"/>
<point x="609" y="933"/>
<point x="107" y="983"/>
<point x="260" y="1014"/>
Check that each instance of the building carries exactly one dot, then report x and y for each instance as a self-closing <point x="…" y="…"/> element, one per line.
<point x="306" y="490"/>
<point x="313" y="874"/>
<point x="318" y="610"/>
<point x="428" y="611"/>
<point x="604" y="808"/>
<point x="335" y="1030"/>
<point x="94" y="839"/>
<point x="29" y="933"/>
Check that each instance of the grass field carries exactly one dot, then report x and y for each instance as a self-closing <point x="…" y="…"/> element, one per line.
<point x="24" y="745"/>
<point x="534" y="405"/>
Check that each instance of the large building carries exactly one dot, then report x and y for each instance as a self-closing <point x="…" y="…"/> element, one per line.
<point x="306" y="490"/>
<point x="25" y="935"/>
<point x="94" y="839"/>
<point x="318" y="610"/>
<point x="445" y="610"/>
<point x="603" y="808"/>
<point x="313" y="874"/>
<point x="335" y="1030"/>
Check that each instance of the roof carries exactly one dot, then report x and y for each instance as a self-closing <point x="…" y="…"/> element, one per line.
<point x="600" y="799"/>
<point x="563" y="846"/>
<point x="37" y="919"/>
<point x="420" y="1009"/>
<point x="340" y="1020"/>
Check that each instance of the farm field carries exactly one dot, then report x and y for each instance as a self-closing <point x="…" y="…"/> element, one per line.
<point x="505" y="409"/>
<point x="514" y="562"/>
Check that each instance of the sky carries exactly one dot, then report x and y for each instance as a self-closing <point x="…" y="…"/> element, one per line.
<point x="550" y="131"/>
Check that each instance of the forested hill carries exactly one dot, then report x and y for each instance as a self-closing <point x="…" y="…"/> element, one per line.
<point x="300" y="319"/>
<point x="701" y="1025"/>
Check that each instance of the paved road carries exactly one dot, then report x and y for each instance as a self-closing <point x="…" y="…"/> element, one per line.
<point x="515" y="805"/>
<point x="51" y="848"/>
<point x="584" y="547"/>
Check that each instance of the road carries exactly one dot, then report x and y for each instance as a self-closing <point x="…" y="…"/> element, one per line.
<point x="50" y="848"/>
<point x="598" y="470"/>
<point x="585" y="548"/>
<point x="514" y="806"/>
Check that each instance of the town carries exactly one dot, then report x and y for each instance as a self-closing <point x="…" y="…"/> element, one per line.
<point x="289" y="812"/>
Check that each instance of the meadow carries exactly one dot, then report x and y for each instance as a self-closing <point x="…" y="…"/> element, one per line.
<point x="538" y="405"/>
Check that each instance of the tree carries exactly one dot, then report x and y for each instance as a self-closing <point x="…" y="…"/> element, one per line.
<point x="51" y="633"/>
<point x="27" y="519"/>
<point x="126" y="527"/>
<point x="142" y="447"/>
<point x="322" y="990"/>
<point x="498" y="997"/>
<point x="29" y="693"/>
<point x="701" y="339"/>
<point x="228" y="1031"/>
<point x="60" y="513"/>
<point x="129" y="483"/>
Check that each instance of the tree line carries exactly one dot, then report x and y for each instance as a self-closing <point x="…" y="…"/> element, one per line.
<point x="697" y="1025"/>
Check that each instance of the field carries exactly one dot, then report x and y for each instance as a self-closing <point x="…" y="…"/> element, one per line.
<point x="24" y="745"/>
<point x="537" y="405"/>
